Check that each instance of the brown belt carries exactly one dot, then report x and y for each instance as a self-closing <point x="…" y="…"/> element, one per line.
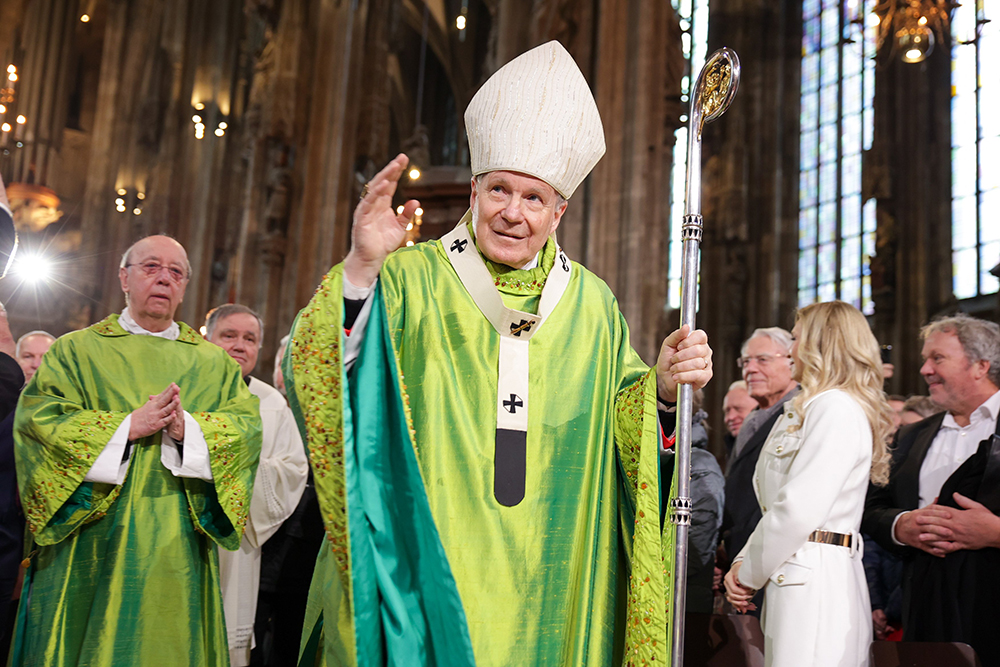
<point x="829" y="537"/>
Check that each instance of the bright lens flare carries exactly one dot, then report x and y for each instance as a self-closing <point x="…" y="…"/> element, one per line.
<point x="414" y="174"/>
<point x="33" y="268"/>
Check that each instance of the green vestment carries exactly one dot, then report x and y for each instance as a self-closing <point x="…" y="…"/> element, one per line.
<point x="126" y="575"/>
<point x="577" y="573"/>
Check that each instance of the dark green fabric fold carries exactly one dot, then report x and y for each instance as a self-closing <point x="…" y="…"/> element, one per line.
<point x="413" y="614"/>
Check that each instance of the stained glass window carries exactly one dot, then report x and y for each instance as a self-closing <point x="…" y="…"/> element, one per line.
<point x="693" y="16"/>
<point x="836" y="229"/>
<point x="975" y="148"/>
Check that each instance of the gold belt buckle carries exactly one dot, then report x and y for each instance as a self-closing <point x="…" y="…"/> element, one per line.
<point x="830" y="537"/>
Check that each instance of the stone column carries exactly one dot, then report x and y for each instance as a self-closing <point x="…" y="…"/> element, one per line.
<point x="908" y="171"/>
<point x="47" y="40"/>
<point x="637" y="71"/>
<point x="750" y="202"/>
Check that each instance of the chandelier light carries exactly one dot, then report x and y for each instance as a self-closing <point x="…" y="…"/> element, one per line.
<point x="914" y="26"/>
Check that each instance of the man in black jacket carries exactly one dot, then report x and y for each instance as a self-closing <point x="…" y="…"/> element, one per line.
<point x="939" y="509"/>
<point x="766" y="363"/>
<point x="11" y="528"/>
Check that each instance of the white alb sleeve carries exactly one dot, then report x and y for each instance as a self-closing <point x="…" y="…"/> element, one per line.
<point x="109" y="468"/>
<point x="191" y="459"/>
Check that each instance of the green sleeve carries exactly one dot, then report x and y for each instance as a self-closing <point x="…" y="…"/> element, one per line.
<point x="314" y="383"/>
<point x="233" y="434"/>
<point x="56" y="442"/>
<point x="649" y="545"/>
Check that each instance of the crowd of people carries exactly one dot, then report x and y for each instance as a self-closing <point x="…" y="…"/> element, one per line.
<point x="463" y="461"/>
<point x="920" y="536"/>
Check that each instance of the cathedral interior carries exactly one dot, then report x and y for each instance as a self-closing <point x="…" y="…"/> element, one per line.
<point x="858" y="161"/>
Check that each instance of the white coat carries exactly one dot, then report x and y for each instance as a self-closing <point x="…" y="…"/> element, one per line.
<point x="280" y="481"/>
<point x="816" y="607"/>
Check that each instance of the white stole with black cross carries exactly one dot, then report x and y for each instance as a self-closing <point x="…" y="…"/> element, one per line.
<point x="516" y="329"/>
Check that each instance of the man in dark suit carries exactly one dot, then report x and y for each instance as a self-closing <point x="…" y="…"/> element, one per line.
<point x="11" y="528"/>
<point x="766" y="363"/>
<point x="939" y="508"/>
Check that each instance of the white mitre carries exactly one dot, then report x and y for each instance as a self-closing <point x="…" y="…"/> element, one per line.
<point x="537" y="116"/>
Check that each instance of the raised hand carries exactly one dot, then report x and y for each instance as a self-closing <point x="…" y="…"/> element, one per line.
<point x="156" y="413"/>
<point x="685" y="358"/>
<point x="378" y="229"/>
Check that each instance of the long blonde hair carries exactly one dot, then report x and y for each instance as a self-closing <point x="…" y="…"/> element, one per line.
<point x="838" y="351"/>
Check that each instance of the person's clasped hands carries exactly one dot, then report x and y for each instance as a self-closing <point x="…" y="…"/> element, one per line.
<point x="162" y="412"/>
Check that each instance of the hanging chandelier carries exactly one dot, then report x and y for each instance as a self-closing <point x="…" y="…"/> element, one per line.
<point x="913" y="26"/>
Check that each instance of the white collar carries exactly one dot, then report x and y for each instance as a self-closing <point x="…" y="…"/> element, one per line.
<point x="988" y="412"/>
<point x="128" y="324"/>
<point x="533" y="263"/>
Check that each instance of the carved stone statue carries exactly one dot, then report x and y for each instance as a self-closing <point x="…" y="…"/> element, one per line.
<point x="279" y="192"/>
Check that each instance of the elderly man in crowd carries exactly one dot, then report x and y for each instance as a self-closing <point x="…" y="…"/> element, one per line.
<point x="767" y="366"/>
<point x="136" y="444"/>
<point x="281" y="476"/>
<point x="485" y="440"/>
<point x="737" y="404"/>
<point x="31" y="347"/>
<point x="939" y="510"/>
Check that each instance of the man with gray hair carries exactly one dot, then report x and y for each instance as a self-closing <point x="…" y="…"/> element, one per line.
<point x="281" y="476"/>
<point x="30" y="349"/>
<point x="939" y="509"/>
<point x="136" y="443"/>
<point x="766" y="363"/>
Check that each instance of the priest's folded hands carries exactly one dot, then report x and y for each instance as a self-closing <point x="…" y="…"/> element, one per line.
<point x="161" y="412"/>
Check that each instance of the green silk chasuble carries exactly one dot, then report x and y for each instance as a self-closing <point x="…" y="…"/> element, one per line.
<point x="423" y="565"/>
<point x="127" y="575"/>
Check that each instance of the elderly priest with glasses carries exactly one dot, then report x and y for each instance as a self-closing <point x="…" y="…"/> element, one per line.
<point x="137" y="442"/>
<point x="483" y="436"/>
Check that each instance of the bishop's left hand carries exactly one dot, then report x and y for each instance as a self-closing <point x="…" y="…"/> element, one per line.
<point x="685" y="358"/>
<point x="972" y="527"/>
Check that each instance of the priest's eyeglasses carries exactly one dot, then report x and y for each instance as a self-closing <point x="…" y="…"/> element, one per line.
<point x="761" y="359"/>
<point x="151" y="269"/>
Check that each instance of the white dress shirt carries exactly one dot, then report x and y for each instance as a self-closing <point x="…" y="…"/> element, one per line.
<point x="953" y="444"/>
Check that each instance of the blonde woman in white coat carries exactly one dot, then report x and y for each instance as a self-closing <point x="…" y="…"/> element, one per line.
<point x="811" y="480"/>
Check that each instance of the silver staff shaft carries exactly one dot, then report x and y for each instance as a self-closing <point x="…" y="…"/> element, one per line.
<point x="712" y="95"/>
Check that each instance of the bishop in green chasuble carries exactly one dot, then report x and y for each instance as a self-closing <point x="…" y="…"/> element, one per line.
<point x="578" y="572"/>
<point x="485" y="441"/>
<point x="126" y="574"/>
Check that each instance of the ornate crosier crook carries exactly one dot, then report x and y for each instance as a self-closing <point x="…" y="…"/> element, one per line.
<point x="713" y="93"/>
